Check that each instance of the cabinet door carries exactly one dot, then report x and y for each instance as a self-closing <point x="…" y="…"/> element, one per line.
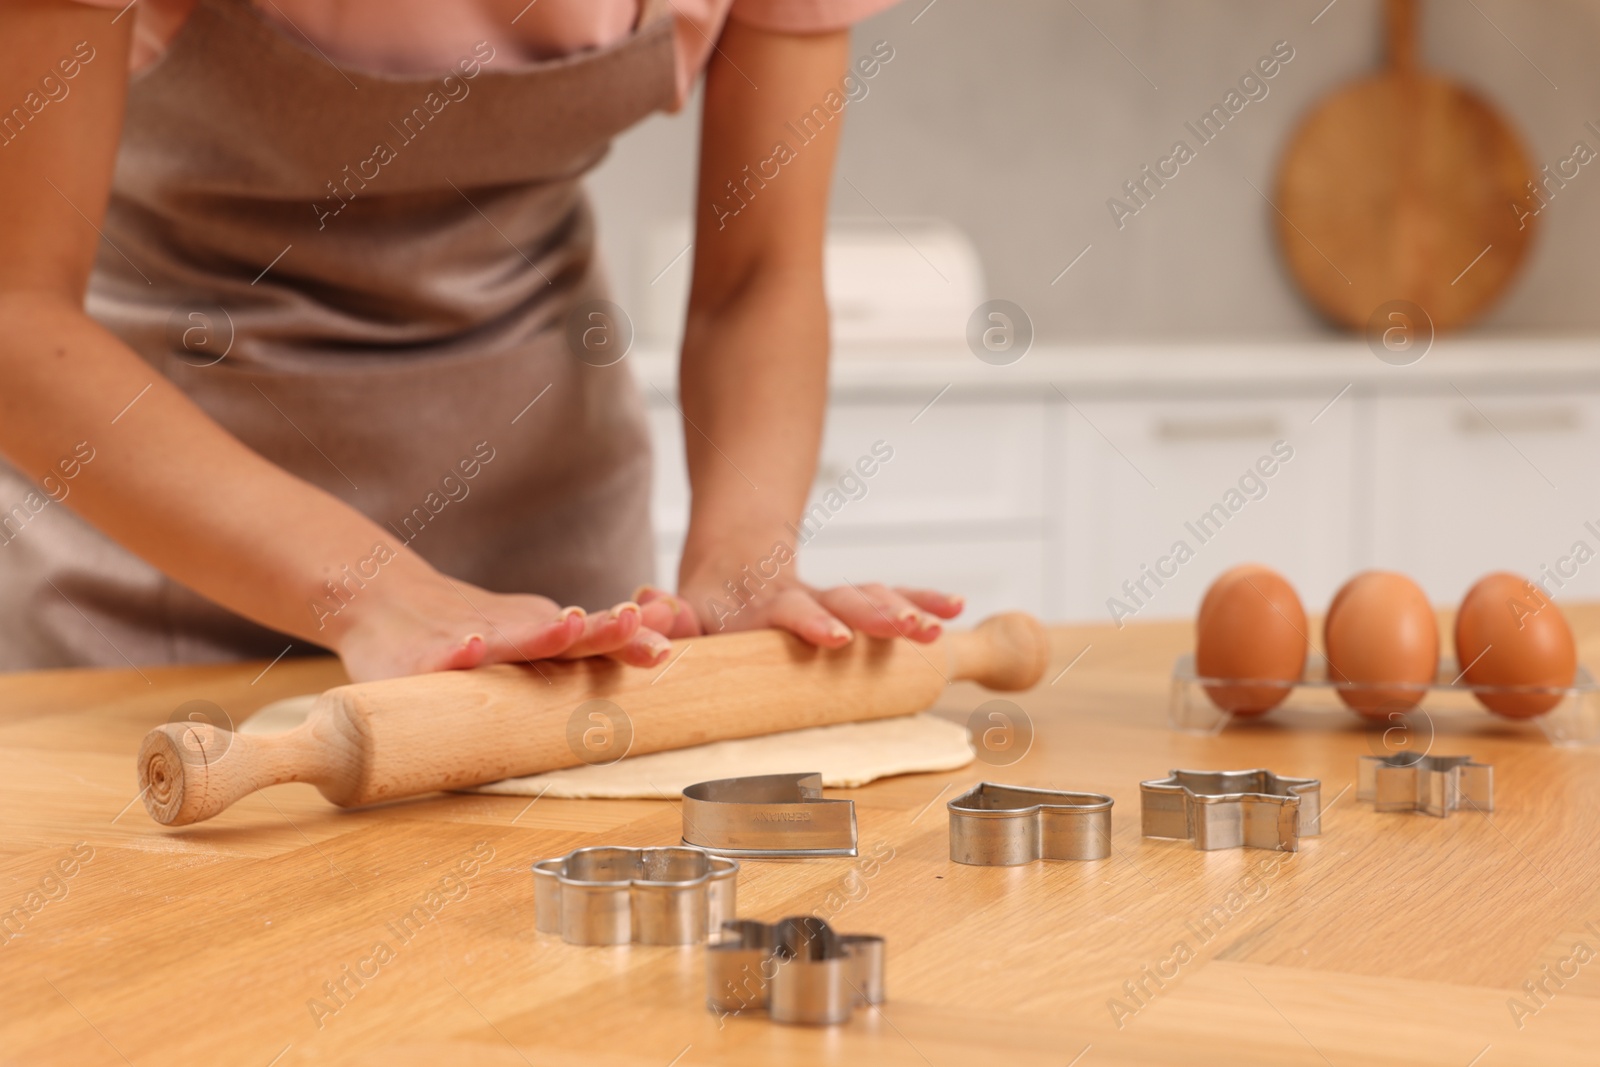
<point x="1158" y="497"/>
<point x="1467" y="483"/>
<point x="974" y="466"/>
<point x="887" y="464"/>
<point x="903" y="475"/>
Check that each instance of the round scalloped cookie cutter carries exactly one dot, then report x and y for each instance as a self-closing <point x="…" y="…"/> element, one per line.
<point x="799" y="970"/>
<point x="610" y="895"/>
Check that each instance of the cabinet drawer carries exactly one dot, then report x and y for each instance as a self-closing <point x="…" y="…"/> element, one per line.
<point x="1463" y="486"/>
<point x="975" y="465"/>
<point x="1234" y="481"/>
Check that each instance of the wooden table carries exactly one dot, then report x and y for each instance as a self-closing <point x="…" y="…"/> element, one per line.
<point x="1391" y="939"/>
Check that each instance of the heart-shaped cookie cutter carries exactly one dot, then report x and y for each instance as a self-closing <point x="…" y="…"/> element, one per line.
<point x="994" y="825"/>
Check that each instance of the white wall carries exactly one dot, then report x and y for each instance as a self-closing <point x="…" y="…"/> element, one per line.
<point x="1017" y="120"/>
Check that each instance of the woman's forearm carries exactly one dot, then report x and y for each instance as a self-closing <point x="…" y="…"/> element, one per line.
<point x="164" y="480"/>
<point x="753" y="390"/>
<point x="755" y="353"/>
<point x="172" y="486"/>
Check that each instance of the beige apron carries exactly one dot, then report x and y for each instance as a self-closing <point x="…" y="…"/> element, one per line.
<point x="391" y="265"/>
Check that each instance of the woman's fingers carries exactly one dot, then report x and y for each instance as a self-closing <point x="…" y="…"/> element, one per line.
<point x="656" y="609"/>
<point x="878" y="611"/>
<point x="554" y="637"/>
<point x="471" y="652"/>
<point x="867" y="608"/>
<point x="797" y="611"/>
<point x="666" y="613"/>
<point x="514" y="640"/>
<point x="620" y="633"/>
<point x="637" y="632"/>
<point x="647" y="648"/>
<point x="606" y="631"/>
<point x="944" y="605"/>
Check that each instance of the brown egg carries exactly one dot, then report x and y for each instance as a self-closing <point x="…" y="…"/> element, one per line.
<point x="1381" y="629"/>
<point x="1509" y="633"/>
<point x="1251" y="626"/>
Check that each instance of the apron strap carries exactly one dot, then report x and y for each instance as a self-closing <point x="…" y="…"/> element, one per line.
<point x="653" y="11"/>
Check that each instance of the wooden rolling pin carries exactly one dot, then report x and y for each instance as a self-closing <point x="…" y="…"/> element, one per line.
<point x="379" y="741"/>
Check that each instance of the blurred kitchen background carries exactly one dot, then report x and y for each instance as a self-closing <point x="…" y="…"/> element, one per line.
<point x="1168" y="357"/>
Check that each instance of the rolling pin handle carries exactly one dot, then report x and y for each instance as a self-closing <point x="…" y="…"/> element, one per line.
<point x="1007" y="652"/>
<point x="191" y="771"/>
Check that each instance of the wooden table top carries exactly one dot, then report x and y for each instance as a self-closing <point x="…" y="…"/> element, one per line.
<point x="1390" y="939"/>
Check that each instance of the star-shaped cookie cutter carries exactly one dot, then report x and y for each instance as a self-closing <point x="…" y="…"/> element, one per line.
<point x="1232" y="809"/>
<point x="1434" y="785"/>
<point x="994" y="825"/>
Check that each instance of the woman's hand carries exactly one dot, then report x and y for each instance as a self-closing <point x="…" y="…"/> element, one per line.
<point x="440" y="624"/>
<point x="828" y="618"/>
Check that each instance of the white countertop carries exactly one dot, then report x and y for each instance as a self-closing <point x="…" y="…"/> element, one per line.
<point x="1501" y="364"/>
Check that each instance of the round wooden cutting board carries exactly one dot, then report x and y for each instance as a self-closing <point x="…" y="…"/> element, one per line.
<point x="1402" y="186"/>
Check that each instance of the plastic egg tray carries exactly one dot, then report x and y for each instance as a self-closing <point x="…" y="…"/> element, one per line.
<point x="1574" y="722"/>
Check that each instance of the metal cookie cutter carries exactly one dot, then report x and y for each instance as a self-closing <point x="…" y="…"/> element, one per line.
<point x="993" y="825"/>
<point x="797" y="969"/>
<point x="653" y="896"/>
<point x="1232" y="809"/>
<point x="1436" y="785"/>
<point x="771" y="815"/>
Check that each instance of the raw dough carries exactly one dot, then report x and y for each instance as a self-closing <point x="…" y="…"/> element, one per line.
<point x="848" y="754"/>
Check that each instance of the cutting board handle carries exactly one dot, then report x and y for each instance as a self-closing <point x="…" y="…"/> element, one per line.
<point x="1401" y="18"/>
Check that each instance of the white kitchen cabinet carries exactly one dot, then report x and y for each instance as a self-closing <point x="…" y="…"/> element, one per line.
<point x="895" y="473"/>
<point x="957" y="464"/>
<point x="1467" y="482"/>
<point x="1139" y="479"/>
<point x="1482" y="456"/>
<point x="972" y="464"/>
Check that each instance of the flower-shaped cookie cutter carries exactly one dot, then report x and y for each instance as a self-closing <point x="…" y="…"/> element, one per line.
<point x="652" y="896"/>
<point x="994" y="825"/>
<point x="1232" y="809"/>
<point x="1435" y="785"/>
<point x="798" y="970"/>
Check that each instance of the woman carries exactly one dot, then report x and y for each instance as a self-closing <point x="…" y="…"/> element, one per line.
<point x="320" y="351"/>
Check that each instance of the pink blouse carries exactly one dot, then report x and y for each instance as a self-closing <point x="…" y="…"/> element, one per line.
<point x="421" y="37"/>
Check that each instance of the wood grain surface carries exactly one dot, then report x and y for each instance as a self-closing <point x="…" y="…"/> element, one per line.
<point x="1390" y="939"/>
<point x="1400" y="187"/>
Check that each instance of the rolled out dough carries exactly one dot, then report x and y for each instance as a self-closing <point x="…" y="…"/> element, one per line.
<point x="848" y="754"/>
